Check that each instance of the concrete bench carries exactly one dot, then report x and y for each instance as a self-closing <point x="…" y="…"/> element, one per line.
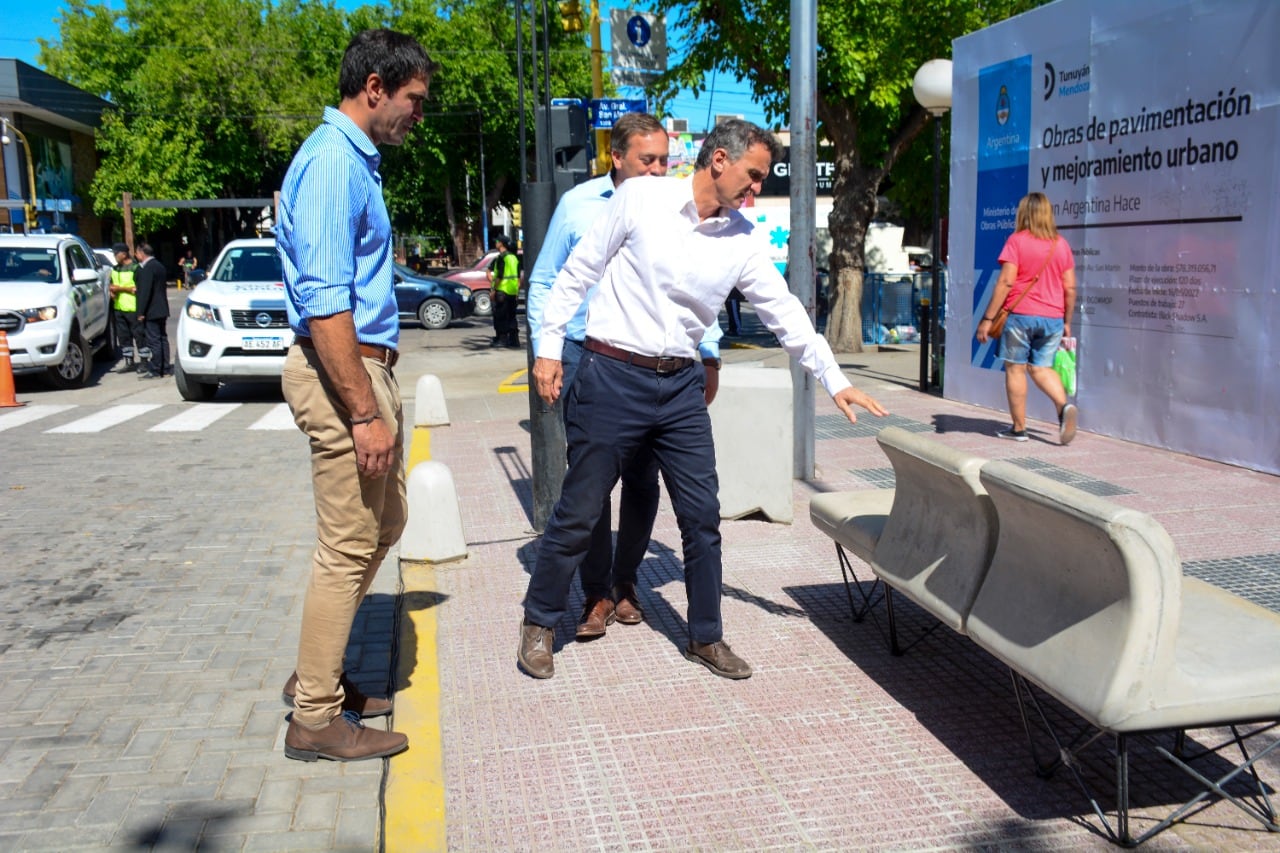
<point x="930" y="538"/>
<point x="1085" y="600"/>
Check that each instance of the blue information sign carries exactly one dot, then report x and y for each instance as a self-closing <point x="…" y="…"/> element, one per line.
<point x="603" y="112"/>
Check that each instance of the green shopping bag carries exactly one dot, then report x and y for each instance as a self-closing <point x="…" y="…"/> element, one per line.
<point x="1064" y="363"/>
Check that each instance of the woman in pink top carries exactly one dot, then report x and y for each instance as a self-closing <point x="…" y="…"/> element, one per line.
<point x="1034" y="257"/>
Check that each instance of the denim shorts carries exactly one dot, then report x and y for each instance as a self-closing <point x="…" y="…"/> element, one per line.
<point x="1030" y="340"/>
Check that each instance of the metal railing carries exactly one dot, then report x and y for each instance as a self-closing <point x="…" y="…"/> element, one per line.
<point x="891" y="306"/>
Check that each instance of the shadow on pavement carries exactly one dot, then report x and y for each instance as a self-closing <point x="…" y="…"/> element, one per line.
<point x="963" y="698"/>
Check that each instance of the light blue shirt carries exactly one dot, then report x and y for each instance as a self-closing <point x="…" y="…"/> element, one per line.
<point x="578" y="209"/>
<point x="334" y="234"/>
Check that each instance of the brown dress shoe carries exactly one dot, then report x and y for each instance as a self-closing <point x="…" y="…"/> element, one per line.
<point x="344" y="739"/>
<point x="718" y="658"/>
<point x="627" y="604"/>
<point x="597" y="613"/>
<point x="534" y="653"/>
<point x="352" y="700"/>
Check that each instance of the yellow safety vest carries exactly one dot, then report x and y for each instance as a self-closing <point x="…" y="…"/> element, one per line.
<point x="124" y="301"/>
<point x="507" y="276"/>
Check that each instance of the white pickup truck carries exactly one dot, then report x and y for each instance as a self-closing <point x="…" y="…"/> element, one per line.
<point x="55" y="306"/>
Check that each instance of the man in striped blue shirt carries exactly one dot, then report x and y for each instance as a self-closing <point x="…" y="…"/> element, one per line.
<point x="334" y="238"/>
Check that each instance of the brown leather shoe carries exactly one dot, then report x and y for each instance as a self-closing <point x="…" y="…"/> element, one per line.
<point x="627" y="604"/>
<point x="344" y="739"/>
<point x="597" y="613"/>
<point x="353" y="699"/>
<point x="718" y="658"/>
<point x="534" y="654"/>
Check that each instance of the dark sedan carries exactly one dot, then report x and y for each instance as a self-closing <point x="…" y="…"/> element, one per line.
<point x="432" y="302"/>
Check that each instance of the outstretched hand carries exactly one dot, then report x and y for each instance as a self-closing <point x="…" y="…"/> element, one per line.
<point x="850" y="397"/>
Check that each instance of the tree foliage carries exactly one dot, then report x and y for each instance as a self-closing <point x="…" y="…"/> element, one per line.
<point x="212" y="97"/>
<point x="868" y="53"/>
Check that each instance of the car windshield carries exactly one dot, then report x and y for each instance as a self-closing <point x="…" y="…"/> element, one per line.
<point x="249" y="263"/>
<point x="19" y="263"/>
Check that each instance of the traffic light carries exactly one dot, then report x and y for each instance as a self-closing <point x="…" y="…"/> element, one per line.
<point x="571" y="16"/>
<point x="515" y="214"/>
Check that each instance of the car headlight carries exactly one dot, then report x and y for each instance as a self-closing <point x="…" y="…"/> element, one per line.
<point x="464" y="292"/>
<point x="203" y="313"/>
<point x="36" y="315"/>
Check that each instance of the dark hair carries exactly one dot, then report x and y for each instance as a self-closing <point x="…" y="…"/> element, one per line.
<point x="632" y="125"/>
<point x="395" y="57"/>
<point x="144" y="249"/>
<point x="504" y="240"/>
<point x="735" y="136"/>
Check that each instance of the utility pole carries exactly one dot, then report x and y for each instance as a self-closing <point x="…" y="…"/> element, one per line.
<point x="537" y="202"/>
<point x="604" y="159"/>
<point x="800" y="252"/>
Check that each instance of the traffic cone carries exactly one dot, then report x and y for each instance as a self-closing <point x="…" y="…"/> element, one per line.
<point x="7" y="399"/>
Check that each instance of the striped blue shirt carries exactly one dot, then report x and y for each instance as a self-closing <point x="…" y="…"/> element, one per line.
<point x="334" y="234"/>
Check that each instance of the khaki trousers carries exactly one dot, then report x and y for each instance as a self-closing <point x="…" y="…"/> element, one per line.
<point x="358" y="520"/>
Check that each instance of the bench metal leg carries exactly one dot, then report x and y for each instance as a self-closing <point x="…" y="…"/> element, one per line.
<point x="850" y="582"/>
<point x="1257" y="803"/>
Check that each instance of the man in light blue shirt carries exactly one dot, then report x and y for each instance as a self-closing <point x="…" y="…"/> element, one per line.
<point x="335" y="243"/>
<point x="608" y="575"/>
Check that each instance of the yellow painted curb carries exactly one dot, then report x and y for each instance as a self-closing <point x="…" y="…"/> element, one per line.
<point x="415" y="792"/>
<point x="419" y="448"/>
<point x="414" y="800"/>
<point x="516" y="383"/>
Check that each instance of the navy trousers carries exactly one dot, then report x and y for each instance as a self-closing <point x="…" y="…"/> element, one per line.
<point x="615" y="411"/>
<point x="605" y="563"/>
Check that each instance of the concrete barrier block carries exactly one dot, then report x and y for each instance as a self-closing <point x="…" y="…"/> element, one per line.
<point x="429" y="408"/>
<point x="752" y="425"/>
<point x="434" y="530"/>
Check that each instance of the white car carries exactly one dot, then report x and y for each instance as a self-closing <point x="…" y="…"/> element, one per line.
<point x="234" y="326"/>
<point x="55" y="307"/>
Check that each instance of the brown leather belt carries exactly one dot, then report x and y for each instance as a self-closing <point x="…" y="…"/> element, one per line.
<point x="389" y="357"/>
<point x="656" y="363"/>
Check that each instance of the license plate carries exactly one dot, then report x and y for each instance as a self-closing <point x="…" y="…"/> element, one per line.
<point x="264" y="343"/>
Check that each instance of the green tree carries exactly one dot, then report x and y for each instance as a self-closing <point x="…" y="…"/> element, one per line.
<point x="868" y="52"/>
<point x="211" y="97"/>
<point x="475" y="95"/>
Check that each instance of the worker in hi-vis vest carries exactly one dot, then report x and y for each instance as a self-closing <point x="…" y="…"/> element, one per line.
<point x="124" y="299"/>
<point x="504" y="273"/>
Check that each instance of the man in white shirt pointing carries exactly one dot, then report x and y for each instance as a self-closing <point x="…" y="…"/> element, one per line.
<point x="666" y="253"/>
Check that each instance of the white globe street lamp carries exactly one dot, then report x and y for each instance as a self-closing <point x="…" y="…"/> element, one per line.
<point x="932" y="88"/>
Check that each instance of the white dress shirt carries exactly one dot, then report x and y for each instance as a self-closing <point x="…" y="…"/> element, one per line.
<point x="663" y="276"/>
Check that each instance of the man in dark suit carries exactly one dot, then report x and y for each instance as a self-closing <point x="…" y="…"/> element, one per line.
<point x="153" y="313"/>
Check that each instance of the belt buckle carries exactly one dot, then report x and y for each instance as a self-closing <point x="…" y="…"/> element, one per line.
<point x="666" y="364"/>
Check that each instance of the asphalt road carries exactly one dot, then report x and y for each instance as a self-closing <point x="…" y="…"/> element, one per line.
<point x="155" y="554"/>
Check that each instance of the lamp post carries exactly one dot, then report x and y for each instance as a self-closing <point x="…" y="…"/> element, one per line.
<point x="932" y="88"/>
<point x="29" y="208"/>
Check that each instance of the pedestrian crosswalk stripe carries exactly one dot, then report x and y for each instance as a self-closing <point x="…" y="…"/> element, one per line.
<point x="26" y="415"/>
<point x="278" y="418"/>
<point x="196" y="418"/>
<point x="107" y="418"/>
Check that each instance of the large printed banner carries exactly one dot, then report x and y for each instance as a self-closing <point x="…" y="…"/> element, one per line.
<point x="1151" y="125"/>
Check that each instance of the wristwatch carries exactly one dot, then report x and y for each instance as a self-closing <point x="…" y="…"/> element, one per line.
<point x="712" y="362"/>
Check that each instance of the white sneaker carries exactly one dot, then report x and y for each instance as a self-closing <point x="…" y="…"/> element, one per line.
<point x="1067" y="423"/>
<point x="1012" y="434"/>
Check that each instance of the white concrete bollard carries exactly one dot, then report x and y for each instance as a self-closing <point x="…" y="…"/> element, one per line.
<point x="752" y="425"/>
<point x="429" y="408"/>
<point x="434" y="530"/>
